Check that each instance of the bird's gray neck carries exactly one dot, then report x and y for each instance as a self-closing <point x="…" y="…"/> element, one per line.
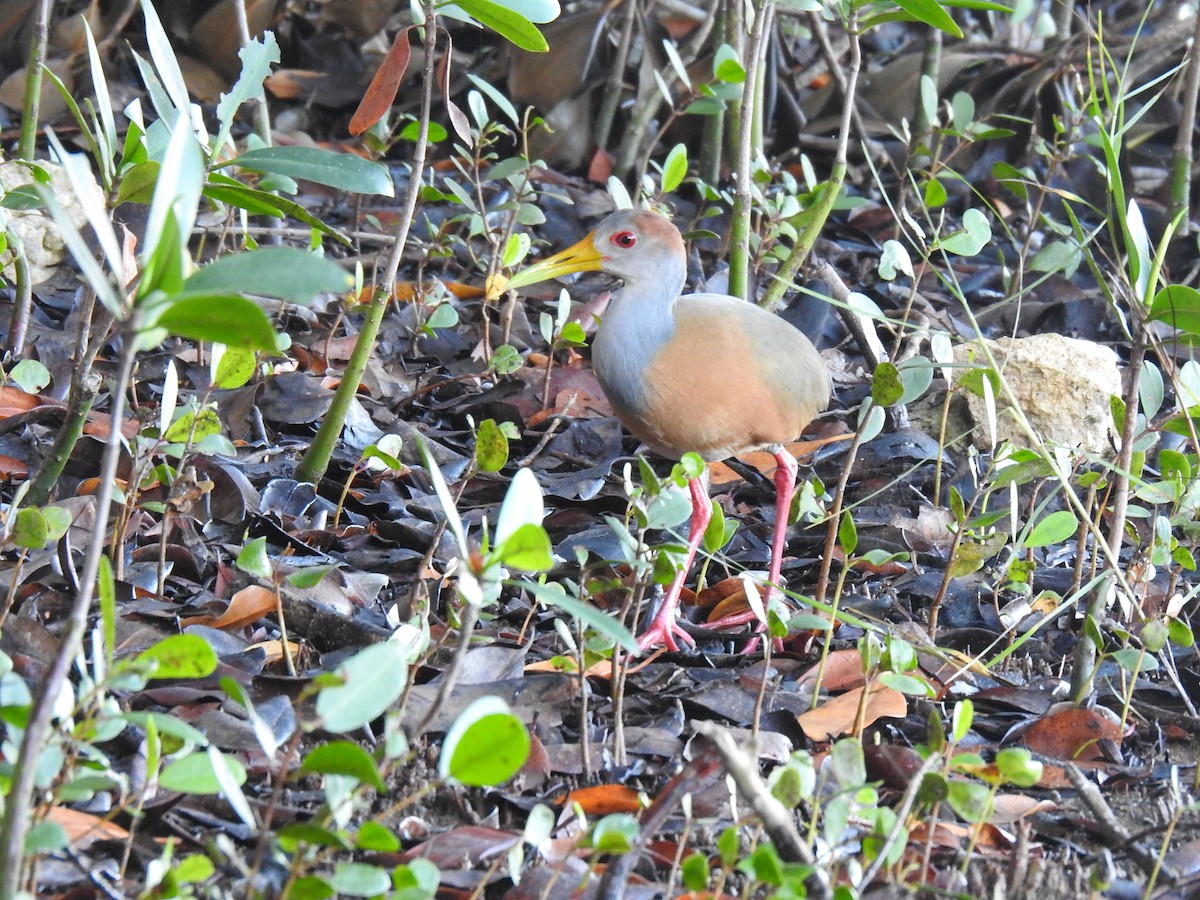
<point x="638" y="322"/>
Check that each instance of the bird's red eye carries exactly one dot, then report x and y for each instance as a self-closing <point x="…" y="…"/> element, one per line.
<point x="624" y="239"/>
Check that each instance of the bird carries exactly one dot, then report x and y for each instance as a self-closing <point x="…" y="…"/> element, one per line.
<point x="703" y="372"/>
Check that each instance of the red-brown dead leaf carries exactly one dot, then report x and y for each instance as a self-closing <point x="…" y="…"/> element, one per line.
<point x="600" y="167"/>
<point x="381" y="93"/>
<point x="843" y="671"/>
<point x="733" y="602"/>
<point x="11" y="467"/>
<point x="1009" y="808"/>
<point x="837" y="716"/>
<point x="1068" y="732"/>
<point x="603" y="799"/>
<point x="89" y="486"/>
<point x="712" y="595"/>
<point x="466" y="847"/>
<point x="14" y="401"/>
<point x="248" y="605"/>
<point x="83" y="829"/>
<point x="293" y="84"/>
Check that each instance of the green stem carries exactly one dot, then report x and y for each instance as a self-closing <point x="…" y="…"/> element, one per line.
<point x="747" y="153"/>
<point x="820" y="214"/>
<point x="33" y="79"/>
<point x="316" y="459"/>
<point x="42" y="486"/>
<point x="1181" y="157"/>
<point x="20" y="796"/>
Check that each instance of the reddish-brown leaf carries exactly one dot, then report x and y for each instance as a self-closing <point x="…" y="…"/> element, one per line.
<point x="381" y="92"/>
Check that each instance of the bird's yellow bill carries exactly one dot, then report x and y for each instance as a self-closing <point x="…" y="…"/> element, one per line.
<point x="582" y="257"/>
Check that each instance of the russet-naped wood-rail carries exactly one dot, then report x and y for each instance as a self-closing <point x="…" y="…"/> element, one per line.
<point x="707" y="373"/>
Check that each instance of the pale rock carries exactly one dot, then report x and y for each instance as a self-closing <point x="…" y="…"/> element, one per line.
<point x="1062" y="384"/>
<point x="39" y="235"/>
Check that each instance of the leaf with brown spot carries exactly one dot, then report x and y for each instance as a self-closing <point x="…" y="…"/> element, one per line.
<point x="1072" y="733"/>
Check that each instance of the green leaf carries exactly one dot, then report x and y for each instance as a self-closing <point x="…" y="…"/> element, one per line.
<point x="970" y="799"/>
<point x="373" y="836"/>
<point x="45" y="837"/>
<point x="506" y="22"/>
<point x="1017" y="766"/>
<point x="194" y="869"/>
<point x="166" y="725"/>
<point x="715" y="536"/>
<point x="311" y="887"/>
<point x="961" y="720"/>
<point x="727" y="67"/>
<point x="354" y="879"/>
<point x="194" y="426"/>
<point x="935" y="195"/>
<point x="137" y="184"/>
<point x="906" y="684"/>
<point x="1054" y="528"/>
<point x="284" y="272"/>
<point x="31" y="530"/>
<point x="527" y="549"/>
<point x="224" y="189"/>
<point x="588" y="614"/>
<point x="253" y="558"/>
<point x="180" y="656"/>
<point x="343" y="171"/>
<point x="615" y="833"/>
<point x="373" y="680"/>
<point x="231" y="320"/>
<point x="343" y="758"/>
<point x="932" y="14"/>
<point x="695" y="873"/>
<point x="847" y="533"/>
<point x="491" y="447"/>
<point x="257" y="57"/>
<point x="194" y="774"/>
<point x="1178" y="306"/>
<point x="727" y="847"/>
<point x="30" y="375"/>
<point x="416" y="881"/>
<point x="975" y="235"/>
<point x="674" y="168"/>
<point x="486" y="745"/>
<point x="916" y="374"/>
<point x="234" y="367"/>
<point x="886" y="385"/>
<point x="308" y="576"/>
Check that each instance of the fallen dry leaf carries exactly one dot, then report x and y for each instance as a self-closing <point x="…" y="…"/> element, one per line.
<point x="837" y="716"/>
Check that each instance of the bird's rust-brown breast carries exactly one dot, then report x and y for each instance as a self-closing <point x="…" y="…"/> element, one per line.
<point x="731" y="379"/>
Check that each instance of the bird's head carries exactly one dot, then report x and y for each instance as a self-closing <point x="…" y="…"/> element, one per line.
<point x="634" y="245"/>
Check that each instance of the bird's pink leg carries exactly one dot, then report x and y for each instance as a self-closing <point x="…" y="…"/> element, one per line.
<point x="785" y="488"/>
<point x="663" y="628"/>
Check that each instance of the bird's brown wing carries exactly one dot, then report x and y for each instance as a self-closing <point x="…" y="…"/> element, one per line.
<point x="733" y="378"/>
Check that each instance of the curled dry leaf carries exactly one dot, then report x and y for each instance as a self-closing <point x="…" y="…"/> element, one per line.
<point x="248" y="605"/>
